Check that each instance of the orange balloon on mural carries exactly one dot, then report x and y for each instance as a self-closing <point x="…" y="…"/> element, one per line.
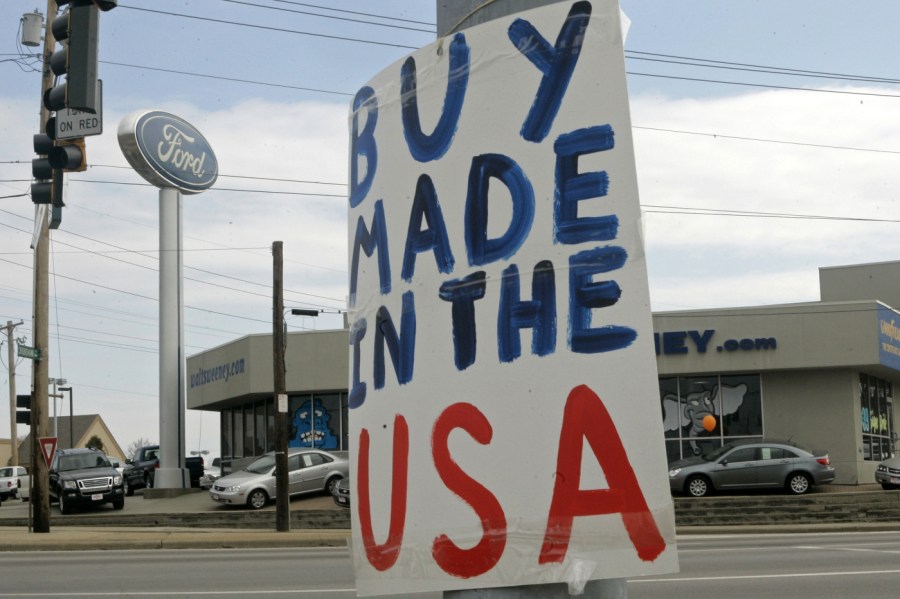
<point x="709" y="423"/>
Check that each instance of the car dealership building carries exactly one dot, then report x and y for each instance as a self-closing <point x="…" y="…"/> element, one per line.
<point x="820" y="374"/>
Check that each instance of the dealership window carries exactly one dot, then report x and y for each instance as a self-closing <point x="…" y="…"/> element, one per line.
<point x="317" y="420"/>
<point x="702" y="413"/>
<point x="876" y="417"/>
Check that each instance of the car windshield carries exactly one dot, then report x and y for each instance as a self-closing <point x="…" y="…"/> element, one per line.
<point x="82" y="461"/>
<point x="262" y="465"/>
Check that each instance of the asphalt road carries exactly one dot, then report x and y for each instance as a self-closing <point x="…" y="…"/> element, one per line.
<point x="799" y="566"/>
<point x="795" y="566"/>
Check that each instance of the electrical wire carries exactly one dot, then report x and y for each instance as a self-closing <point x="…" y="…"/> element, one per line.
<point x="344" y="19"/>
<point x="270" y="28"/>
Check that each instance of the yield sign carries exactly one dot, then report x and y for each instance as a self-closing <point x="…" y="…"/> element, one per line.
<point x="48" y="448"/>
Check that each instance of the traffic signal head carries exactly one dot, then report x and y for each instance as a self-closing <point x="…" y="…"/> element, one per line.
<point x="77" y="60"/>
<point x="23" y="414"/>
<point x="47" y="188"/>
<point x="57" y="156"/>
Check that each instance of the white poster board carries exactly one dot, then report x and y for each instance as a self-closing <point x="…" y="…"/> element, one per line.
<point x="504" y="420"/>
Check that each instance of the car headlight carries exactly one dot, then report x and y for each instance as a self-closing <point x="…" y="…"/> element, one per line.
<point x="69" y="484"/>
<point x="117" y="480"/>
<point x="233" y="489"/>
<point x="674" y="471"/>
<point x="882" y="468"/>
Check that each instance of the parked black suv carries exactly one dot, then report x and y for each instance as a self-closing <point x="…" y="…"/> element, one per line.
<point x="82" y="476"/>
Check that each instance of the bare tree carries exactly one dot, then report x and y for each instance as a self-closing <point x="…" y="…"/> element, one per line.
<point x="135" y="445"/>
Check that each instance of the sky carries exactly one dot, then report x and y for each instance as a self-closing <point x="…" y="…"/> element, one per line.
<point x="766" y="143"/>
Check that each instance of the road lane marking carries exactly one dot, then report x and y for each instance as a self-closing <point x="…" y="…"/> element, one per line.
<point x="764" y="576"/>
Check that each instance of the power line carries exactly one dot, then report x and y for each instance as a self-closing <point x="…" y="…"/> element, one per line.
<point x="270" y="28"/>
<point x="755" y="68"/>
<point x="345" y="19"/>
<point x="353" y="12"/>
<point x="223" y="78"/>
<point x="784" y="87"/>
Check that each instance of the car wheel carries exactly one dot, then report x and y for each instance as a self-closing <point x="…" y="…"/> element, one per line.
<point x="331" y="484"/>
<point x="257" y="499"/>
<point x="799" y="483"/>
<point x="129" y="490"/>
<point x="148" y="481"/>
<point x="697" y="486"/>
<point x="118" y="504"/>
<point x="64" y="507"/>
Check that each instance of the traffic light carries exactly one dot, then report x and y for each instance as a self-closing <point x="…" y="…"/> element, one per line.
<point x="48" y="185"/>
<point x="23" y="416"/>
<point x="57" y="156"/>
<point x="77" y="59"/>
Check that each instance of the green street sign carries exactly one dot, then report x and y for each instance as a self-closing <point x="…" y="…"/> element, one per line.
<point x="32" y="353"/>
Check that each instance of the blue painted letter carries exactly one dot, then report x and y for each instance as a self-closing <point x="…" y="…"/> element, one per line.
<point x="426" y="206"/>
<point x="585" y="295"/>
<point x="424" y="147"/>
<point x="572" y="187"/>
<point x="463" y="293"/>
<point x="482" y="250"/>
<point x="402" y="347"/>
<point x="358" y="390"/>
<point x="369" y="242"/>
<point x="539" y="313"/>
<point x="362" y="144"/>
<point x="557" y="63"/>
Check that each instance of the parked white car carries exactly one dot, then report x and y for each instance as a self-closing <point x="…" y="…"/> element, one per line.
<point x="12" y="478"/>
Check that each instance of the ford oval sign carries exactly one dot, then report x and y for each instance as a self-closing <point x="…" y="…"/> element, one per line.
<point x="168" y="151"/>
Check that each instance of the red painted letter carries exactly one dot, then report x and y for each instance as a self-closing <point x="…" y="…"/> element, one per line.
<point x="585" y="416"/>
<point x="384" y="556"/>
<point x="467" y="563"/>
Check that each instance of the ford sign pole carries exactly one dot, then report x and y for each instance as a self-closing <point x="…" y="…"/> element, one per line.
<point x="173" y="156"/>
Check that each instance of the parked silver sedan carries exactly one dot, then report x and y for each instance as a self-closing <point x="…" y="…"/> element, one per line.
<point x="751" y="465"/>
<point x="888" y="473"/>
<point x="309" y="471"/>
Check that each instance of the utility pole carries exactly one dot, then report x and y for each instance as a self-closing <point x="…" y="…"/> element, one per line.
<point x="11" y="360"/>
<point x="452" y="16"/>
<point x="282" y="497"/>
<point x="40" y="495"/>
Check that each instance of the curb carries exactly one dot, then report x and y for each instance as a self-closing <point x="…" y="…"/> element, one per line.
<point x="102" y="539"/>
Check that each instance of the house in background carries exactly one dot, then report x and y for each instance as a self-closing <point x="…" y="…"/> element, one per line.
<point x="83" y="428"/>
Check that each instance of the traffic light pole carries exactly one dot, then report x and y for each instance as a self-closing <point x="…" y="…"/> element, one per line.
<point x="40" y="493"/>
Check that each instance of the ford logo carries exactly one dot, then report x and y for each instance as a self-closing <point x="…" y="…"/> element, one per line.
<point x="168" y="151"/>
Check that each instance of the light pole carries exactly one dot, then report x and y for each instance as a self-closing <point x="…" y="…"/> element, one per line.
<point x="71" y="417"/>
<point x="55" y="396"/>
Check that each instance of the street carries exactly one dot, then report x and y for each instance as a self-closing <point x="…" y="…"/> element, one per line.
<point x="799" y="566"/>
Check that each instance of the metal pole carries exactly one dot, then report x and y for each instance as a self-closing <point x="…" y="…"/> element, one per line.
<point x="11" y="360"/>
<point x="71" y="422"/>
<point x="54" y="396"/>
<point x="71" y="417"/>
<point x="171" y="473"/>
<point x="282" y="497"/>
<point x="452" y="16"/>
